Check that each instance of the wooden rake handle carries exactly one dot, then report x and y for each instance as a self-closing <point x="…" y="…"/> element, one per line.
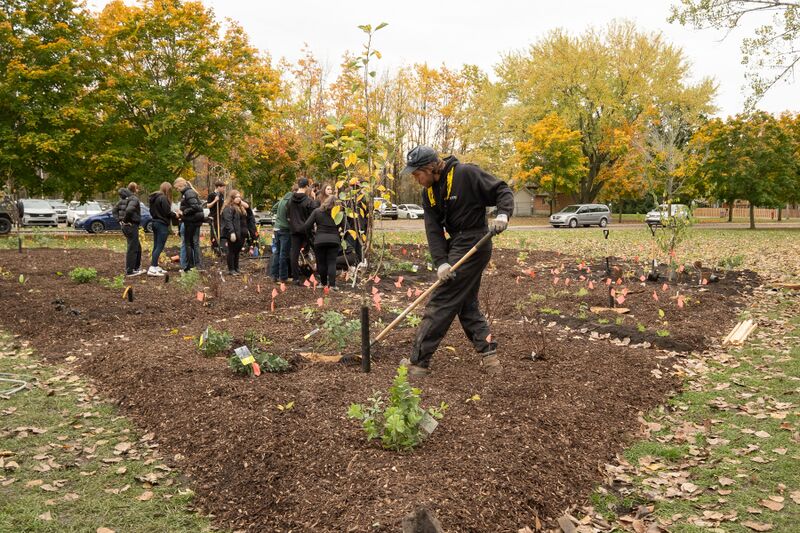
<point x="430" y="289"/>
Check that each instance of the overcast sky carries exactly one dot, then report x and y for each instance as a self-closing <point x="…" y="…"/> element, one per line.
<point x="479" y="32"/>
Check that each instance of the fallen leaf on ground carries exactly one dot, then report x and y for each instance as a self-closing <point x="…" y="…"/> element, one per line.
<point x="145" y="496"/>
<point x="771" y="505"/>
<point x="105" y="530"/>
<point x="757" y="526"/>
<point x="795" y="496"/>
<point x="45" y="516"/>
<point x="726" y="481"/>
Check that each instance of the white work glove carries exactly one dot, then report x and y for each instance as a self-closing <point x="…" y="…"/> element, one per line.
<point x="443" y="272"/>
<point x="233" y="237"/>
<point x="499" y="224"/>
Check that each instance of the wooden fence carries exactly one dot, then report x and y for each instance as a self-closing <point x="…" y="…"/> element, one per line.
<point x="762" y="213"/>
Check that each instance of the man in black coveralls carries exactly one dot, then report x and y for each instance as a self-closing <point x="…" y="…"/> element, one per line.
<point x="455" y="198"/>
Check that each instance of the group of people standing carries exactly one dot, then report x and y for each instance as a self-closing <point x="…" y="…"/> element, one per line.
<point x="303" y="220"/>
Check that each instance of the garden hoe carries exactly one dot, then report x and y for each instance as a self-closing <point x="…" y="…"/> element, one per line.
<point x="430" y="289"/>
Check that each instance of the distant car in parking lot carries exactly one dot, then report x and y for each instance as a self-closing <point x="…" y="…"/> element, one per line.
<point x="264" y="218"/>
<point x="78" y="210"/>
<point x="106" y="221"/>
<point x="60" y="209"/>
<point x="583" y="215"/>
<point x="38" y="213"/>
<point x="411" y="211"/>
<point x="386" y="209"/>
<point x="663" y="213"/>
<point x="9" y="214"/>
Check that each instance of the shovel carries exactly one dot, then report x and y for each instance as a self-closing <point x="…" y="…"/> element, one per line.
<point x="430" y="289"/>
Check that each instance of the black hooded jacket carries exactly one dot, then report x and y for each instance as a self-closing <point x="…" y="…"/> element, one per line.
<point x="327" y="231"/>
<point x="128" y="209"/>
<point x="191" y="207"/>
<point x="298" y="210"/>
<point x="459" y="204"/>
<point x="161" y="208"/>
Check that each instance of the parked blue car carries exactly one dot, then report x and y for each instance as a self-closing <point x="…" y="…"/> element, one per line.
<point x="105" y="221"/>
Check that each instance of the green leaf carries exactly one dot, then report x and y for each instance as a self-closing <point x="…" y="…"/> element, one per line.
<point x="381" y="26"/>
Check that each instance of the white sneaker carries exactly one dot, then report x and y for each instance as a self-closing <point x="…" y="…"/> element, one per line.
<point x="161" y="270"/>
<point x="135" y="273"/>
<point x="154" y="271"/>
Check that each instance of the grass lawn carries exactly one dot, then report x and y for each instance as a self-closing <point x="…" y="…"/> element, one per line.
<point x="69" y="462"/>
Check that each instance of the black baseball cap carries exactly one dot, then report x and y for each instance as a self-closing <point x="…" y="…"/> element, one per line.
<point x="419" y="157"/>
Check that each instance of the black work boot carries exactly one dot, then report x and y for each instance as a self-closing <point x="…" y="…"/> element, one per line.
<point x="490" y="362"/>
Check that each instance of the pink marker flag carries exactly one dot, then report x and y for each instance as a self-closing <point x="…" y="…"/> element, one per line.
<point x="399" y="282"/>
<point x="376" y="279"/>
<point x="680" y="301"/>
<point x="283" y="287"/>
<point x="591" y="285"/>
<point x="655" y="295"/>
<point x="642" y="278"/>
<point x="566" y="281"/>
<point x="274" y="293"/>
<point x="320" y="302"/>
<point x="409" y="292"/>
<point x="664" y="288"/>
<point x="620" y="299"/>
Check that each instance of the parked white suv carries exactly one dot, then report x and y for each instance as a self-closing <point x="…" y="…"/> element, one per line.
<point x="583" y="215"/>
<point x="38" y="213"/>
<point x="661" y="215"/>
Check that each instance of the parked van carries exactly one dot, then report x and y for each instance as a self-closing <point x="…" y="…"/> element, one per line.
<point x="583" y="215"/>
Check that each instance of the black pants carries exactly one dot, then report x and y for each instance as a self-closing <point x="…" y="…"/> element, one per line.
<point x="216" y="243"/>
<point x="190" y="231"/>
<point x="133" y="254"/>
<point x="457" y="297"/>
<point x="234" y="249"/>
<point x="299" y="240"/>
<point x="326" y="262"/>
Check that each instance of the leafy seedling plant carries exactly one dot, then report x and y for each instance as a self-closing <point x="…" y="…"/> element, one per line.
<point x="116" y="283"/>
<point x="189" y="280"/>
<point x="339" y="331"/>
<point x="268" y="362"/>
<point x="399" y="424"/>
<point x="213" y="342"/>
<point x="83" y="275"/>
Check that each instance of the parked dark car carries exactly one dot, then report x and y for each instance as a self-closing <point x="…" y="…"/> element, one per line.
<point x="9" y="214"/>
<point x="105" y="221"/>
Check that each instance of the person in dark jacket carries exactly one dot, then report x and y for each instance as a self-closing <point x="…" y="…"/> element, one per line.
<point x="191" y="214"/>
<point x="298" y="210"/>
<point x="454" y="199"/>
<point x="234" y="229"/>
<point x="128" y="212"/>
<point x="161" y="211"/>
<point x="282" y="242"/>
<point x="327" y="239"/>
<point x="216" y="199"/>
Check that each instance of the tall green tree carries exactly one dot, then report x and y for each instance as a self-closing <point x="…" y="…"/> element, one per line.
<point x="175" y="87"/>
<point x="600" y="82"/>
<point x="748" y="157"/>
<point x="551" y="157"/>
<point x="770" y="53"/>
<point x="46" y="69"/>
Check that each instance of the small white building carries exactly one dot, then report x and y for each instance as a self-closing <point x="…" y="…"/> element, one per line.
<point x="523" y="202"/>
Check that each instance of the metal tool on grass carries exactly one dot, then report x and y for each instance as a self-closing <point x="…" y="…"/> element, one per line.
<point x="430" y="289"/>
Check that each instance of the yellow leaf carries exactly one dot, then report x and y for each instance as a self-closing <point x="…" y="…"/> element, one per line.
<point x="353" y="181"/>
<point x="376" y="204"/>
<point x="331" y="128"/>
<point x="474" y="398"/>
<point x="334" y="165"/>
<point x="350" y="160"/>
<point x="339" y="184"/>
<point x="335" y="211"/>
<point x="350" y="126"/>
<point x="353" y="233"/>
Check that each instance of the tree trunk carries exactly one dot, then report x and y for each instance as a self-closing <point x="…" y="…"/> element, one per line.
<point x="780" y="213"/>
<point x="553" y="199"/>
<point x="730" y="211"/>
<point x="620" y="211"/>
<point x="752" y="216"/>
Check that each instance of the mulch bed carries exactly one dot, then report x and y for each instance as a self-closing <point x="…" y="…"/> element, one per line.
<point x="531" y="446"/>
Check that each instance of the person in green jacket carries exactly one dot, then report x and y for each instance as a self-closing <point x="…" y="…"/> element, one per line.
<point x="281" y="242"/>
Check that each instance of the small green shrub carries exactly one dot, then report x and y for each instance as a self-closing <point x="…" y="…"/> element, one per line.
<point x="662" y="333"/>
<point x="582" y="292"/>
<point x="213" y="342"/>
<point x="189" y="280"/>
<point x="83" y="275"/>
<point x="397" y="425"/>
<point x="619" y="321"/>
<point x="413" y="320"/>
<point x="641" y="327"/>
<point x="117" y="282"/>
<point x="266" y="361"/>
<point x="340" y="331"/>
<point x="549" y="311"/>
<point x="603" y="321"/>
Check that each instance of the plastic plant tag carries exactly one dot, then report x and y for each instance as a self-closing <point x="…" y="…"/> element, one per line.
<point x="311" y="334"/>
<point x="428" y="424"/>
<point x="414" y="268"/>
<point x="203" y="338"/>
<point x="244" y="355"/>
